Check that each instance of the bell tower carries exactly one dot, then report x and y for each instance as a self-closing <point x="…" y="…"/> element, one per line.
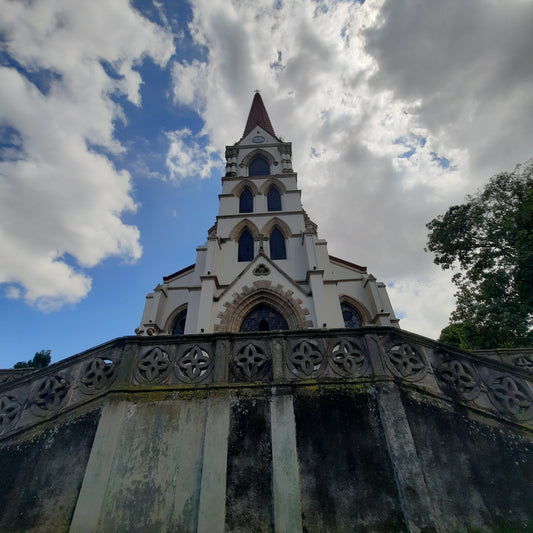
<point x="263" y="266"/>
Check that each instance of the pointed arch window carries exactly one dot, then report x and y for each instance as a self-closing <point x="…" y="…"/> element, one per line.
<point x="259" y="167"/>
<point x="263" y="318"/>
<point x="246" y="246"/>
<point x="277" y="244"/>
<point x="178" y="328"/>
<point x="352" y="318"/>
<point x="246" y="201"/>
<point x="273" y="199"/>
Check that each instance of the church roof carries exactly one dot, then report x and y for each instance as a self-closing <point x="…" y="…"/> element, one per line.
<point x="258" y="116"/>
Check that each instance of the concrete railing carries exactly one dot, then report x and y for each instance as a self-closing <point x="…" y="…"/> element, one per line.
<point x="365" y="356"/>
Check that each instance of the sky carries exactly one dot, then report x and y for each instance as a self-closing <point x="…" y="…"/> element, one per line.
<point x="114" y="117"/>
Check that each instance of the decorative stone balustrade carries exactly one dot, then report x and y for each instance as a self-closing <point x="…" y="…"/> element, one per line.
<point x="367" y="357"/>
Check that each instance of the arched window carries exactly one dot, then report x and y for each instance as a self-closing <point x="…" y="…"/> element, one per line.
<point x="246" y="246"/>
<point x="263" y="318"/>
<point x="277" y="245"/>
<point x="246" y="201"/>
<point x="274" y="199"/>
<point x="259" y="167"/>
<point x="352" y="319"/>
<point x="178" y="327"/>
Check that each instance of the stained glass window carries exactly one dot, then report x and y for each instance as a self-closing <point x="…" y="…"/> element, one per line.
<point x="263" y="318"/>
<point x="246" y="201"/>
<point x="352" y="319"/>
<point x="273" y="199"/>
<point x="178" y="327"/>
<point x="259" y="167"/>
<point x="246" y="246"/>
<point x="277" y="245"/>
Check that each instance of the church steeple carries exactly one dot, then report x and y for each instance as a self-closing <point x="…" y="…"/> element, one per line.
<point x="258" y="116"/>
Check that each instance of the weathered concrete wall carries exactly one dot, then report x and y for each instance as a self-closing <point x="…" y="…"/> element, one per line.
<point x="479" y="475"/>
<point x="304" y="431"/>
<point x="40" y="478"/>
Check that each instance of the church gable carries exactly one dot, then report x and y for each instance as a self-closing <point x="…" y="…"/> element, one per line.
<point x="263" y="282"/>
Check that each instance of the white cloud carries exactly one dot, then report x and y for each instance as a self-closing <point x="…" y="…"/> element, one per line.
<point x="187" y="157"/>
<point x="61" y="200"/>
<point x="357" y="86"/>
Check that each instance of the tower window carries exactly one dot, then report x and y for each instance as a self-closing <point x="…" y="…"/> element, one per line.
<point x="277" y="245"/>
<point x="178" y="327"/>
<point x="352" y="319"/>
<point x="246" y="201"/>
<point x="246" y="246"/>
<point x="274" y="199"/>
<point x="259" y="167"/>
<point x="263" y="318"/>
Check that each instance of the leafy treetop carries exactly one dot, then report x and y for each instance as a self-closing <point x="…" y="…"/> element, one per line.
<point x="40" y="360"/>
<point x="488" y="242"/>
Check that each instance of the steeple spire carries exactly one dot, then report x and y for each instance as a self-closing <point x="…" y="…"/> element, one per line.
<point x="258" y="116"/>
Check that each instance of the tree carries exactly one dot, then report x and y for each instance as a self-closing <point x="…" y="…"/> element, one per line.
<point x="488" y="242"/>
<point x="40" y="360"/>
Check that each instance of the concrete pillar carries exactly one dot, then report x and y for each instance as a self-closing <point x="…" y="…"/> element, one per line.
<point x="212" y="511"/>
<point x="412" y="489"/>
<point x="285" y="473"/>
<point x="94" y="487"/>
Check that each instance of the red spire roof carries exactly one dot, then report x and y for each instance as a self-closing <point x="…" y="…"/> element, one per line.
<point x="258" y="116"/>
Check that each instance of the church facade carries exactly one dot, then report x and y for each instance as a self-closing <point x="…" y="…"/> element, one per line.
<point x="268" y="388"/>
<point x="263" y="266"/>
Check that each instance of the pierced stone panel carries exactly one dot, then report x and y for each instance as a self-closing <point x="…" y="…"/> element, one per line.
<point x="305" y="360"/>
<point x="525" y="362"/>
<point x="10" y="410"/>
<point x="511" y="397"/>
<point x="98" y="375"/>
<point x="348" y="359"/>
<point x="193" y="365"/>
<point x="458" y="379"/>
<point x="251" y="362"/>
<point x="406" y="362"/>
<point x="152" y="366"/>
<point x="49" y="395"/>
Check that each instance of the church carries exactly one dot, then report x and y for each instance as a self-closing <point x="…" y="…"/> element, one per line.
<point x="263" y="267"/>
<point x="268" y="387"/>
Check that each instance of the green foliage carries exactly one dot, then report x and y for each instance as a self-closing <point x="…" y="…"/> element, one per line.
<point x="488" y="242"/>
<point x="40" y="360"/>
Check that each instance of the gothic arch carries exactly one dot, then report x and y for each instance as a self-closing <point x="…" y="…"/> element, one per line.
<point x="237" y="190"/>
<point x="273" y="181"/>
<point x="266" y="230"/>
<point x="263" y="292"/>
<point x="358" y="306"/>
<point x="239" y="228"/>
<point x="172" y="317"/>
<point x="263" y="153"/>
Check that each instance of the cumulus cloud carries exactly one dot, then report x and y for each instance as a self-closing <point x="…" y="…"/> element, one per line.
<point x="190" y="156"/>
<point x="61" y="197"/>
<point x="396" y="110"/>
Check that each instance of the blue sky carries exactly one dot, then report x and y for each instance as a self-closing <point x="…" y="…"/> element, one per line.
<point x="114" y="117"/>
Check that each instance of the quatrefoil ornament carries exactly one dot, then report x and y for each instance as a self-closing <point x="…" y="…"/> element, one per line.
<point x="194" y="365"/>
<point x="251" y="363"/>
<point x="511" y="397"/>
<point x="348" y="360"/>
<point x="458" y="379"/>
<point x="153" y="366"/>
<point x="99" y="374"/>
<point x="49" y="394"/>
<point x="305" y="360"/>
<point x="405" y="362"/>
<point x="10" y="410"/>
